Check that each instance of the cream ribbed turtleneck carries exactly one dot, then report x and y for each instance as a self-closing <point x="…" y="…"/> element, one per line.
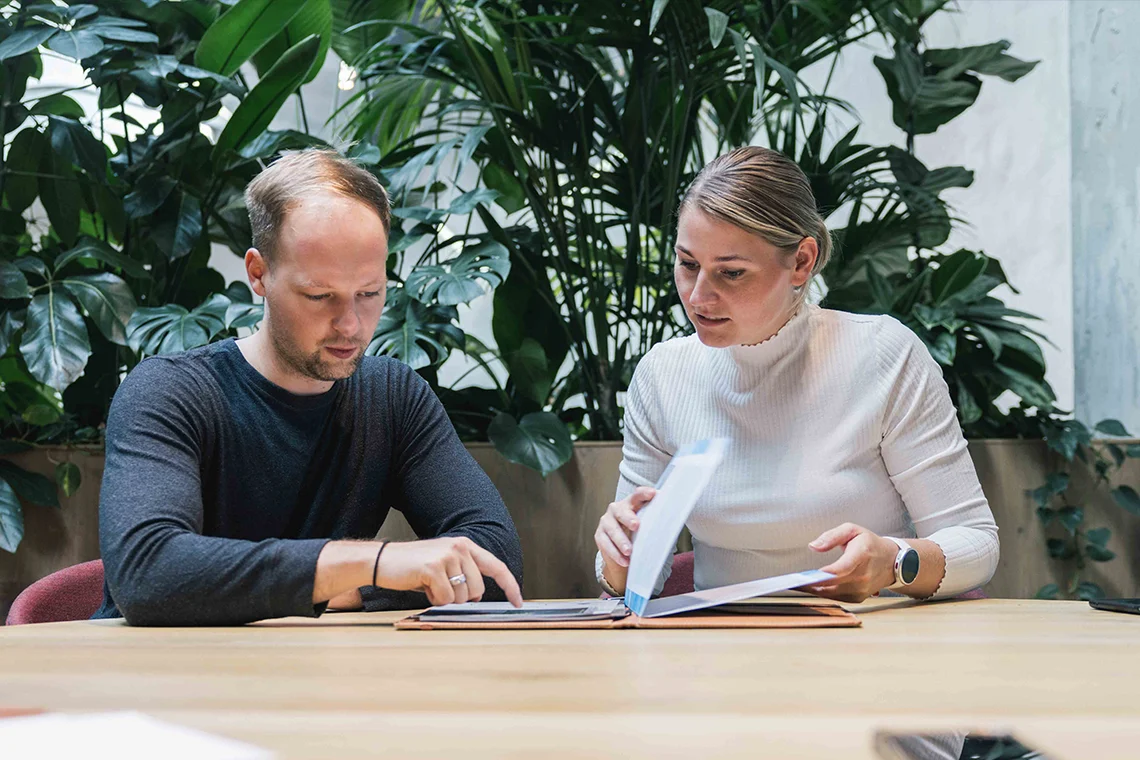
<point x="837" y="418"/>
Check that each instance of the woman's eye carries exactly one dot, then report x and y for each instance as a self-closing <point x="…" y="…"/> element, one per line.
<point x="690" y="265"/>
<point x="733" y="274"/>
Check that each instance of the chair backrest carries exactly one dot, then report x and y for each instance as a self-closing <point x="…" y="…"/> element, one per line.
<point x="681" y="579"/>
<point x="73" y="593"/>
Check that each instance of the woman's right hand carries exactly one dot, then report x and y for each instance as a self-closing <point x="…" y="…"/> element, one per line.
<point x="614" y="535"/>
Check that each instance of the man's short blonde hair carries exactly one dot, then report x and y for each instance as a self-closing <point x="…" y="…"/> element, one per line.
<point x="295" y="175"/>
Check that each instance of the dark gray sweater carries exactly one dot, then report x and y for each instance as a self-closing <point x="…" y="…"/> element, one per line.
<point x="221" y="488"/>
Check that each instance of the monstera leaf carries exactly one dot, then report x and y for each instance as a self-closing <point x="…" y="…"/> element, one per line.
<point x="457" y="281"/>
<point x="416" y="333"/>
<point x="539" y="440"/>
<point x="172" y="329"/>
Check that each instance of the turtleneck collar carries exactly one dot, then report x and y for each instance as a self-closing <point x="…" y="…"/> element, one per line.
<point x="783" y="342"/>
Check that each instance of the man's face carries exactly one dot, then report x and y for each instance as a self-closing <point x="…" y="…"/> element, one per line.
<point x="324" y="289"/>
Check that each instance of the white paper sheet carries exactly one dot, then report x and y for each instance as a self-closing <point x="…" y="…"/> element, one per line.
<point x="662" y="519"/>
<point x="115" y="736"/>
<point x="699" y="600"/>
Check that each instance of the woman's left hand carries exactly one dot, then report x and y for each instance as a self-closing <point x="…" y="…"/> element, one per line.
<point x="866" y="567"/>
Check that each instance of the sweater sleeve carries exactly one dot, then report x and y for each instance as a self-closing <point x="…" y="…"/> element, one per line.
<point x="643" y="455"/>
<point x="440" y="488"/>
<point x="926" y="457"/>
<point x="158" y="566"/>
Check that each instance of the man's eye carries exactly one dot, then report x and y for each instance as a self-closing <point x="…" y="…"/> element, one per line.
<point x="321" y="297"/>
<point x="733" y="274"/>
<point x="370" y="293"/>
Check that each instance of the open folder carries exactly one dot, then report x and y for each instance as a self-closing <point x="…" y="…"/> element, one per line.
<point x="678" y="489"/>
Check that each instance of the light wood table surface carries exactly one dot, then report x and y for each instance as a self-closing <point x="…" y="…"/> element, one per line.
<point x="1058" y="674"/>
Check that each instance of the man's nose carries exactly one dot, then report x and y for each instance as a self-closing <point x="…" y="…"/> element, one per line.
<point x="347" y="321"/>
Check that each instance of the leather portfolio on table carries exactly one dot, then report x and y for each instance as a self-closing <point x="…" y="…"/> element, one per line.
<point x="612" y="614"/>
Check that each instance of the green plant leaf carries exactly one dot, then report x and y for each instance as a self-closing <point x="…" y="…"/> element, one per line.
<point x="24" y="162"/>
<point x="1099" y="553"/>
<point x="539" y="440"/>
<point x="59" y="105"/>
<point x="955" y="274"/>
<point x="60" y="195"/>
<point x="25" y="41"/>
<point x="1099" y="536"/>
<point x="271" y="143"/>
<point x="457" y="281"/>
<point x="1058" y="548"/>
<point x="122" y="34"/>
<point x="67" y="477"/>
<point x="55" y="344"/>
<point x="107" y="299"/>
<point x="718" y="24"/>
<point x="656" y="13"/>
<point x="93" y="248"/>
<point x="181" y="226"/>
<point x="1112" y="427"/>
<point x="1087" y="591"/>
<point x="1045" y="514"/>
<point x="74" y="143"/>
<point x="11" y="519"/>
<point x="171" y="329"/>
<point x="11" y="320"/>
<point x="1127" y="498"/>
<point x="13" y="284"/>
<point x="530" y="371"/>
<point x="9" y="446"/>
<point x="1071" y="518"/>
<point x="243" y="30"/>
<point x="315" y="17"/>
<point x="40" y="415"/>
<point x="265" y="100"/>
<point x="29" y="486"/>
<point x="77" y="43"/>
<point x="415" y="333"/>
<point x="148" y="195"/>
<point x="467" y="202"/>
<point x="1048" y="591"/>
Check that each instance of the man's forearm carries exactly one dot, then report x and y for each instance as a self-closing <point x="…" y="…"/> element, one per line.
<point x="343" y="566"/>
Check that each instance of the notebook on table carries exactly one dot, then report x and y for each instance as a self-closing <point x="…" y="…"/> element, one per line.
<point x="686" y="476"/>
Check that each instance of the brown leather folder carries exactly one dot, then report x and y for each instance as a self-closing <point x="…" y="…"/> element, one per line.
<point x="768" y="615"/>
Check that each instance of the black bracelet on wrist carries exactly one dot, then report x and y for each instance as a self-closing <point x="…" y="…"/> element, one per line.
<point x="376" y="565"/>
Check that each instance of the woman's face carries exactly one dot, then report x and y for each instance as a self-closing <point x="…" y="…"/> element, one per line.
<point x="736" y="287"/>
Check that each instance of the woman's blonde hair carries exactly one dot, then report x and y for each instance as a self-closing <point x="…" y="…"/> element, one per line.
<point x="763" y="192"/>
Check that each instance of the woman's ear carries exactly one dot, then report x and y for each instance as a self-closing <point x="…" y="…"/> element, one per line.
<point x="806" y="255"/>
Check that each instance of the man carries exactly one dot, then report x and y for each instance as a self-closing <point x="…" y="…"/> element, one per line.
<point x="244" y="479"/>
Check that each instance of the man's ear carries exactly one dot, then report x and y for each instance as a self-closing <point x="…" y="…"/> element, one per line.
<point x="256" y="270"/>
<point x="806" y="256"/>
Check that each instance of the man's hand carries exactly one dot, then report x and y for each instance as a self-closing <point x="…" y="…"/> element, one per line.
<point x="429" y="565"/>
<point x="866" y="567"/>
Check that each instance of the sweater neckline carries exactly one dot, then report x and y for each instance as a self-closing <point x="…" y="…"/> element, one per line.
<point x="781" y="343"/>
<point x="263" y="385"/>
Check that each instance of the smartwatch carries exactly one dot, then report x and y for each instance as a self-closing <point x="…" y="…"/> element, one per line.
<point x="906" y="565"/>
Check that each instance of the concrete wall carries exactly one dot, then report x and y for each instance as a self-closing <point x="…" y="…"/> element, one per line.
<point x="1106" y="209"/>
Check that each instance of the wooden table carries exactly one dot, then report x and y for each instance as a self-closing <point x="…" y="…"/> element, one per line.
<point x="1058" y="674"/>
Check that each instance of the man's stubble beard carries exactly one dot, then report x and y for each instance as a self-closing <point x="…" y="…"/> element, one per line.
<point x="311" y="366"/>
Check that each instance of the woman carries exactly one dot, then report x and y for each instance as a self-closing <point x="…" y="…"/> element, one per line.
<point x="846" y="451"/>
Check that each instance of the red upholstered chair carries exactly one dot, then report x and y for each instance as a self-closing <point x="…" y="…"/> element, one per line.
<point x="681" y="579"/>
<point x="73" y="593"/>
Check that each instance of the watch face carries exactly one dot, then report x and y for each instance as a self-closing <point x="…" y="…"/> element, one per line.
<point x="909" y="569"/>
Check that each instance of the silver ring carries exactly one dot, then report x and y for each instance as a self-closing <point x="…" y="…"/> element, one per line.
<point x="457" y="580"/>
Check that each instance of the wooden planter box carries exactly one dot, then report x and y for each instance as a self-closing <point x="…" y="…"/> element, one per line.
<point x="556" y="518"/>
